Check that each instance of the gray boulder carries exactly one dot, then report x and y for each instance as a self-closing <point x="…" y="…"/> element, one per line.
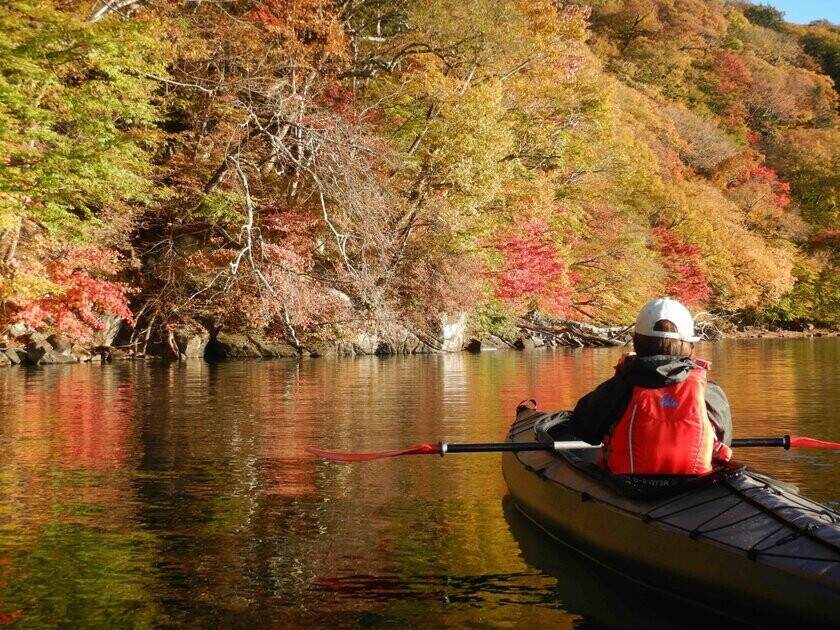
<point x="526" y="342"/>
<point x="273" y="349"/>
<point x="82" y="354"/>
<point x="111" y="328"/>
<point x="232" y="346"/>
<point x="61" y="345"/>
<point x="39" y="351"/>
<point x="36" y="348"/>
<point x="399" y="340"/>
<point x="55" y="358"/>
<point x="453" y="332"/>
<point x="13" y="355"/>
<point x="239" y="346"/>
<point x="191" y="343"/>
<point x="324" y="349"/>
<point x="365" y="343"/>
<point x="17" y="330"/>
<point x="486" y="344"/>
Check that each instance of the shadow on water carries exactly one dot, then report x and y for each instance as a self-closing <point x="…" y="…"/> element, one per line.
<point x="600" y="597"/>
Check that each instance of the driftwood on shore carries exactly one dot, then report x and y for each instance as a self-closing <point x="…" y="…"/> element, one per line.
<point x="565" y="332"/>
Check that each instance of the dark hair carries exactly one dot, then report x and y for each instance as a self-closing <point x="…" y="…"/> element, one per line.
<point x="646" y="346"/>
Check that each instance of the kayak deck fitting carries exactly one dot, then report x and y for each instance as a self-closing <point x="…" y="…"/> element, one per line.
<point x="738" y="541"/>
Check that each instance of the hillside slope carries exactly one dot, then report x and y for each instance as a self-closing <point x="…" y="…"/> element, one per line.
<point x="307" y="170"/>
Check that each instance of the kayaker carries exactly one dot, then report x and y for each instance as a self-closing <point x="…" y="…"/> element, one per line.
<point x="658" y="414"/>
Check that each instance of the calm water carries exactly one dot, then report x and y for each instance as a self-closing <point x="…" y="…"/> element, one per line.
<point x="137" y="495"/>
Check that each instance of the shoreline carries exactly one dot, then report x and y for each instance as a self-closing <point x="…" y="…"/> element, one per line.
<point x="12" y="355"/>
<point x="767" y="333"/>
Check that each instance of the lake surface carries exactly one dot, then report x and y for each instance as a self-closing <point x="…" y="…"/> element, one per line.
<point x="137" y="495"/>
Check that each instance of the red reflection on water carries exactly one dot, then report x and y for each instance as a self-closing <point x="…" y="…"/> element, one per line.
<point x="290" y="470"/>
<point x="94" y="420"/>
<point x="70" y="435"/>
<point x="84" y="421"/>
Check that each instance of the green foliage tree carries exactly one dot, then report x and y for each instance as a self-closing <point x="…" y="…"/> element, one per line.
<point x="764" y="15"/>
<point x="810" y="160"/>
<point x="78" y="118"/>
<point x="822" y="42"/>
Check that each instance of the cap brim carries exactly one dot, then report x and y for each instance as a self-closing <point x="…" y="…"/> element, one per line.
<point x="661" y="334"/>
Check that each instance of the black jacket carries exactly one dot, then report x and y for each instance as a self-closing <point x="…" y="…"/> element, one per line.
<point x="600" y="410"/>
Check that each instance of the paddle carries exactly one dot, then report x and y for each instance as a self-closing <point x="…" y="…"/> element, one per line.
<point x="442" y="448"/>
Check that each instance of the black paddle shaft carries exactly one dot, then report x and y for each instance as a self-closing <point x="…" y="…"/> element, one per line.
<point x="495" y="447"/>
<point x="784" y="442"/>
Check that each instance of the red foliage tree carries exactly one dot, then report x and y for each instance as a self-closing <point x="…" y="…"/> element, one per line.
<point x="767" y="176"/>
<point x="686" y="281"/>
<point x="763" y="181"/>
<point x="733" y="75"/>
<point x="306" y="26"/>
<point x="83" y="294"/>
<point x="532" y="274"/>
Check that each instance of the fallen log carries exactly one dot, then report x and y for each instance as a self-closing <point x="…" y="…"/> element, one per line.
<point x="567" y="332"/>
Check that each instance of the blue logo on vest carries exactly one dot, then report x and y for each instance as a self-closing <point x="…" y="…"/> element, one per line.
<point x="667" y="400"/>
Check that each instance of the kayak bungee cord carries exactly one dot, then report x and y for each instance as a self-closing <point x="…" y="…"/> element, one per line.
<point x="754" y="551"/>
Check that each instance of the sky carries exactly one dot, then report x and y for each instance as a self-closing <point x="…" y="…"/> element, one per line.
<point x="805" y="11"/>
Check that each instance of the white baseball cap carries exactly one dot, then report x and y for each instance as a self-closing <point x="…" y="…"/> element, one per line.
<point x="674" y="312"/>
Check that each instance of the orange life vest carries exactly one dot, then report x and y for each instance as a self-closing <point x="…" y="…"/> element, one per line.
<point x="664" y="431"/>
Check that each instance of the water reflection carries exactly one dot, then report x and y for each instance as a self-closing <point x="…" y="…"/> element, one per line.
<point x="601" y="598"/>
<point x="138" y="495"/>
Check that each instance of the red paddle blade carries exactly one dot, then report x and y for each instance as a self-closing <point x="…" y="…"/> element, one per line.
<point x="338" y="456"/>
<point x="806" y="442"/>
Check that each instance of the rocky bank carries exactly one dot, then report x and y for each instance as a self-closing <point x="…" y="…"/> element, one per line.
<point x="21" y="347"/>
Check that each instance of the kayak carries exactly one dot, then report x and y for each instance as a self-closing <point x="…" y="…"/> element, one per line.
<point x="736" y="541"/>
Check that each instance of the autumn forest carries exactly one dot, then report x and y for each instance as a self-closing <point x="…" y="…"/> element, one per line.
<point x="306" y="169"/>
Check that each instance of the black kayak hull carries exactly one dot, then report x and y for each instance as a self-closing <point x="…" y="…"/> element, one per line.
<point x="729" y="561"/>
